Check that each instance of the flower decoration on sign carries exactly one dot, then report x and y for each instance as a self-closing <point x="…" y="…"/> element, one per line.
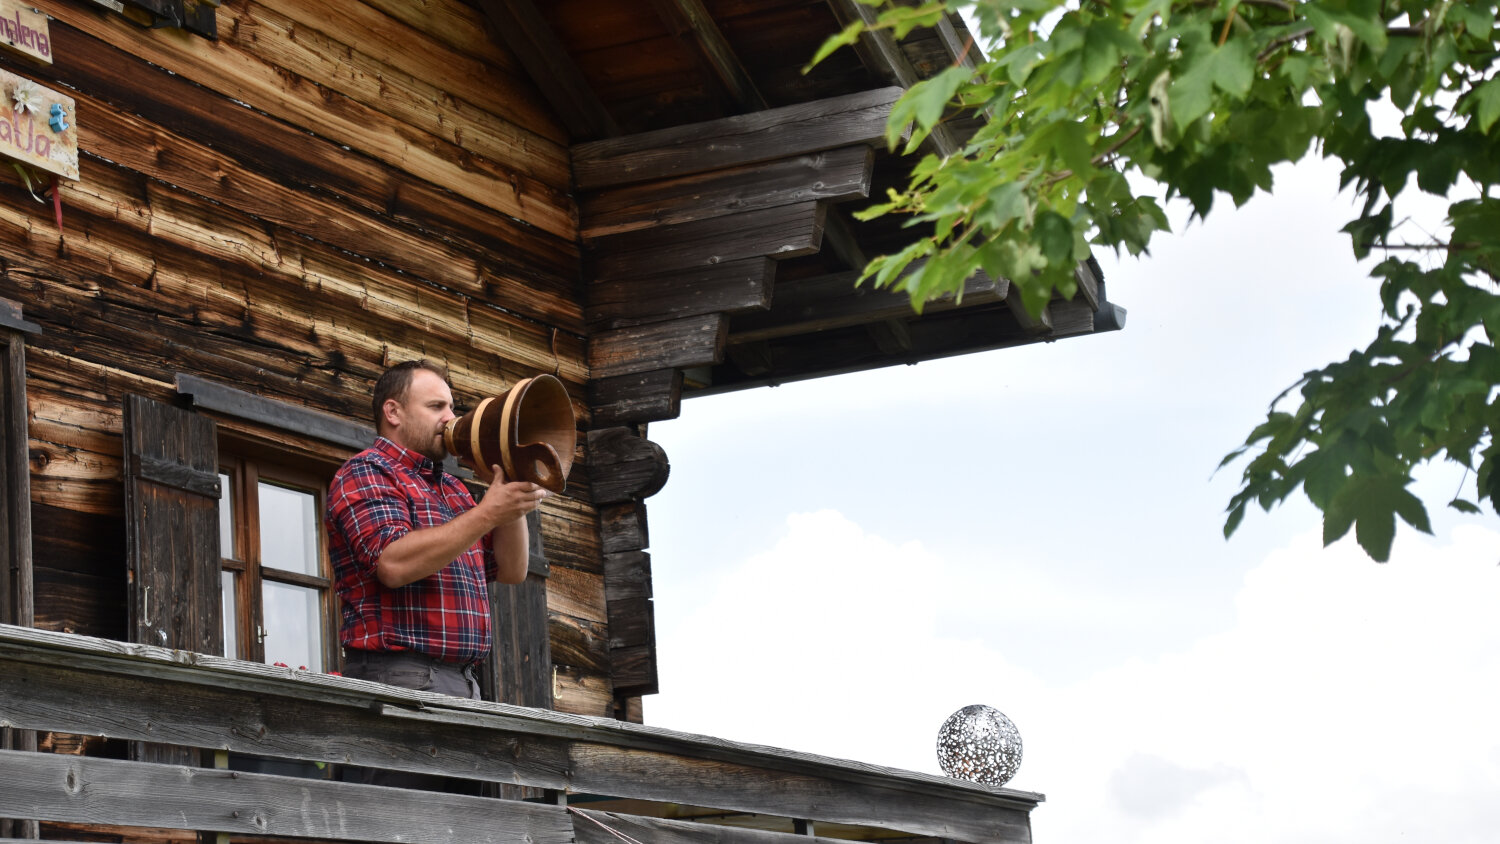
<point x="58" y="118"/>
<point x="26" y="96"/>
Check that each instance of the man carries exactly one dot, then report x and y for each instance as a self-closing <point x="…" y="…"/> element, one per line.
<point x="412" y="553"/>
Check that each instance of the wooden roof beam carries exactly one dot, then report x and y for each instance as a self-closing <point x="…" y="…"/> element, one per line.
<point x="734" y="141"/>
<point x="523" y="29"/>
<point x="960" y="47"/>
<point x="856" y="348"/>
<point x="839" y="233"/>
<point x="882" y="55"/>
<point x="688" y="20"/>
<point x="830" y="176"/>
<point x="728" y="287"/>
<point x="678" y="344"/>
<point x="832" y="301"/>
<point x="786" y="231"/>
<point x="639" y="397"/>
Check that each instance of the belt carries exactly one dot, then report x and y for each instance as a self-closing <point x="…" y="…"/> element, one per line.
<point x="409" y="657"/>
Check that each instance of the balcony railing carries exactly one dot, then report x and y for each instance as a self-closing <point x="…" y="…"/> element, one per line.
<point x="77" y="685"/>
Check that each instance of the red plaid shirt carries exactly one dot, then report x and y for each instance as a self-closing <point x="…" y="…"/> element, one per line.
<point x="379" y="496"/>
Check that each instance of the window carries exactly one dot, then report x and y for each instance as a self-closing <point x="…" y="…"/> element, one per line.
<point x="277" y="592"/>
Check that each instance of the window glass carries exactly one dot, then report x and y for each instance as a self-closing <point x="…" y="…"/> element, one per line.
<point x="294" y="625"/>
<point x="288" y="529"/>
<point x="226" y="517"/>
<point x="231" y="613"/>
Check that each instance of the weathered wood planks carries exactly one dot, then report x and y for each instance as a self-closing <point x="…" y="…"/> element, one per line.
<point x="818" y="304"/>
<point x="626" y="469"/>
<point x="784" y="231"/>
<point x="596" y="827"/>
<point x="624" y="465"/>
<point x="728" y="287"/>
<point x="831" y="176"/>
<point x="733" y="141"/>
<point x="525" y="32"/>
<point x="246" y="76"/>
<point x="328" y="190"/>
<point x="247" y="707"/>
<point x="694" y="341"/>
<point x="639" y="397"/>
<point x="17" y="586"/>
<point x="65" y="788"/>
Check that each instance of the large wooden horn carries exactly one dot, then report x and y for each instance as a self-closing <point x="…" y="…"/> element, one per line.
<point x="529" y="431"/>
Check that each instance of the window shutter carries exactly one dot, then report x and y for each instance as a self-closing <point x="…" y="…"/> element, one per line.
<point x="172" y="527"/>
<point x="15" y="512"/>
<point x="15" y="470"/>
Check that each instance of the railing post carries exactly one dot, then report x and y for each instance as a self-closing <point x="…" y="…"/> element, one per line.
<point x="220" y="762"/>
<point x="802" y="826"/>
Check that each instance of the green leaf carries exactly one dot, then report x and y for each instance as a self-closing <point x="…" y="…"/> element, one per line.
<point x="926" y="101"/>
<point x="1190" y="96"/>
<point x="848" y="35"/>
<point x="901" y="20"/>
<point x="1070" y="142"/>
<point x="1054" y="234"/>
<point x="1233" y="68"/>
<point x="1104" y="43"/>
<point x="1463" y="506"/>
<point x="1232" y="523"/>
<point x="1487" y="103"/>
<point x="1005" y="203"/>
<point x="1326" y="19"/>
<point x="1371" y="503"/>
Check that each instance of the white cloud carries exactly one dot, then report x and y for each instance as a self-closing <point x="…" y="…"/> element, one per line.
<point x="1346" y="700"/>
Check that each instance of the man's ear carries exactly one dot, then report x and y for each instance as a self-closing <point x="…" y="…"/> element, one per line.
<point x="391" y="412"/>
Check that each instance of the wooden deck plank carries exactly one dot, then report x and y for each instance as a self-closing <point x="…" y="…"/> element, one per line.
<point x="55" y="787"/>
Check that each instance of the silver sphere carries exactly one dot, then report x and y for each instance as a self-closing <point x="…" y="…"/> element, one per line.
<point x="979" y="744"/>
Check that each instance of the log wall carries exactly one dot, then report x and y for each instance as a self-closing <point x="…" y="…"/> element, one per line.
<point x="326" y="189"/>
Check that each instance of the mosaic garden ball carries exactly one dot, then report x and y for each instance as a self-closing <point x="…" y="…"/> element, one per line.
<point x="979" y="744"/>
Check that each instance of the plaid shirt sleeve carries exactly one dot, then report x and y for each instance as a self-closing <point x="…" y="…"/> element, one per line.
<point x="369" y="510"/>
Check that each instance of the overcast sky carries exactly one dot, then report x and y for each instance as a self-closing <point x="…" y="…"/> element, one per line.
<point x="841" y="564"/>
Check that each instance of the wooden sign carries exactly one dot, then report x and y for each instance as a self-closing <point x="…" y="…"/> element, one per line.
<point x="36" y="126"/>
<point x="24" y="30"/>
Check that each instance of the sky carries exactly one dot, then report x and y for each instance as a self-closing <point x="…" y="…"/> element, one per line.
<point x="841" y="564"/>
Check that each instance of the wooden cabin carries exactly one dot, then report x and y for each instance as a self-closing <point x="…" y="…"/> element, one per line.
<point x="271" y="201"/>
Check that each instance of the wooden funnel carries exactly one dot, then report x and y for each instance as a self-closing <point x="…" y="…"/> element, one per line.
<point x="528" y="431"/>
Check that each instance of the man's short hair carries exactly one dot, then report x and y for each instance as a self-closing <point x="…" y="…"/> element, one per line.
<point x="394" y="383"/>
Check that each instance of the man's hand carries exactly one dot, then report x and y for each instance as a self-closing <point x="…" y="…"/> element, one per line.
<point x="506" y="500"/>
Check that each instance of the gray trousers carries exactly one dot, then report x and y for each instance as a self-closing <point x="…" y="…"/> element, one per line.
<point x="411" y="670"/>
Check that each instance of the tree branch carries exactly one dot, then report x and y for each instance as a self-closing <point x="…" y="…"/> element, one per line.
<point x="1423" y="247"/>
<point x="1283" y="40"/>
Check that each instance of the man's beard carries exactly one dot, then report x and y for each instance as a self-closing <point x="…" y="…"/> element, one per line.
<point x="433" y="448"/>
